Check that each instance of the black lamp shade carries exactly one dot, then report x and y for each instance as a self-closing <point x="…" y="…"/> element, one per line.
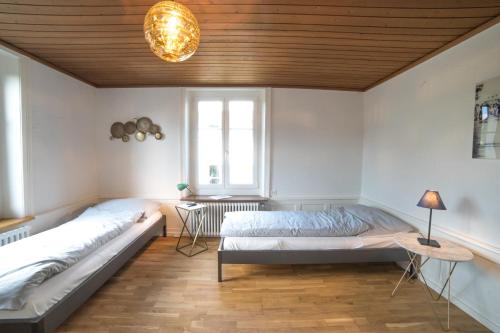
<point x="431" y="199"/>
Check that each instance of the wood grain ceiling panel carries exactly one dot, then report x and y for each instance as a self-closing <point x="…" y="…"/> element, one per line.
<point x="342" y="44"/>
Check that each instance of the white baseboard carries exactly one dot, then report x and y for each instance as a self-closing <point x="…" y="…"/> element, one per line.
<point x="310" y="202"/>
<point x="320" y="197"/>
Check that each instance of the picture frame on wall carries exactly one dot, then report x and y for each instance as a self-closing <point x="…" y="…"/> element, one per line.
<point x="486" y="140"/>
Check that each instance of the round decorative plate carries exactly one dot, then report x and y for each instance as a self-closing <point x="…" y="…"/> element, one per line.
<point x="140" y="136"/>
<point x="130" y="127"/>
<point x="153" y="129"/>
<point x="117" y="130"/>
<point x="143" y="124"/>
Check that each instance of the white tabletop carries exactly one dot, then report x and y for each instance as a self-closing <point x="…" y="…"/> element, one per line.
<point x="448" y="251"/>
<point x="190" y="208"/>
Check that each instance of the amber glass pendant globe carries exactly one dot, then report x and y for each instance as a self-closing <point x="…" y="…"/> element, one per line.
<point x="172" y="31"/>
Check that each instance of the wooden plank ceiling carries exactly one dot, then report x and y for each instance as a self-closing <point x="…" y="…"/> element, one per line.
<point x="342" y="44"/>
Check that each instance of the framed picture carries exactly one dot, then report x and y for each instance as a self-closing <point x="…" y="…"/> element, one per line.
<point x="486" y="140"/>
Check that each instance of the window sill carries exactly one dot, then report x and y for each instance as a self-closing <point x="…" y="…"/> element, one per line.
<point x="7" y="224"/>
<point x="234" y="198"/>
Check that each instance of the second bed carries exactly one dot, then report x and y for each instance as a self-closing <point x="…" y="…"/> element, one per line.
<point x="364" y="234"/>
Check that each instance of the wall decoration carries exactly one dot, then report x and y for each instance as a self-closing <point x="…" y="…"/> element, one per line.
<point x="130" y="127"/>
<point x="117" y="130"/>
<point x="138" y="128"/>
<point x="140" y="136"/>
<point x="486" y="140"/>
<point x="144" y="124"/>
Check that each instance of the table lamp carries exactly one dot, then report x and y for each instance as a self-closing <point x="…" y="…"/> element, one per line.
<point x="431" y="200"/>
<point x="184" y="186"/>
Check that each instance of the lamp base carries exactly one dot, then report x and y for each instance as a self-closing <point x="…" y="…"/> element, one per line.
<point x="428" y="242"/>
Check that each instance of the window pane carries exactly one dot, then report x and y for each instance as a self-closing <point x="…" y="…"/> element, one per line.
<point x="210" y="142"/>
<point x="241" y="114"/>
<point x="241" y="142"/>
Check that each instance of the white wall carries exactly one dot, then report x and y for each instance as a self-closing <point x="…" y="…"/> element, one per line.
<point x="316" y="143"/>
<point x="417" y="136"/>
<point x="148" y="169"/>
<point x="63" y="156"/>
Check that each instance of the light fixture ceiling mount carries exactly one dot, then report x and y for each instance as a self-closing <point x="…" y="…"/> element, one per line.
<point x="172" y="31"/>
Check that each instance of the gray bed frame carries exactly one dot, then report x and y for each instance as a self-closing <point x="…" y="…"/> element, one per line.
<point x="296" y="257"/>
<point x="58" y="313"/>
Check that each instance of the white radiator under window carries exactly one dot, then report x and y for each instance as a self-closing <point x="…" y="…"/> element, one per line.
<point x="215" y="214"/>
<point x="12" y="236"/>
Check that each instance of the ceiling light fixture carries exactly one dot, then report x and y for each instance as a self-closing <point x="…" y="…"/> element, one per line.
<point x="172" y="31"/>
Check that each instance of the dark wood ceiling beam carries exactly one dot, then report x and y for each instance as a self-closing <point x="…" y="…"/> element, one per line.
<point x="211" y="56"/>
<point x="231" y="34"/>
<point x="250" y="27"/>
<point x="334" y="65"/>
<point x="198" y="9"/>
<point x="233" y="46"/>
<point x="455" y="22"/>
<point x="231" y="79"/>
<point x="207" y="40"/>
<point x="338" y="3"/>
<point x="234" y="69"/>
<point x="96" y="63"/>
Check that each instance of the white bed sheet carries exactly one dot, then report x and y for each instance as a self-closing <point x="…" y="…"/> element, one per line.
<point x="309" y="243"/>
<point x="54" y="289"/>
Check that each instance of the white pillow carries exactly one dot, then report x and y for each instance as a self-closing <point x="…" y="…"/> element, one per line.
<point x="380" y="220"/>
<point x="121" y="216"/>
<point x="149" y="207"/>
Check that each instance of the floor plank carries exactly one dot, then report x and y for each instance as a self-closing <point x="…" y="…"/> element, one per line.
<point x="160" y="290"/>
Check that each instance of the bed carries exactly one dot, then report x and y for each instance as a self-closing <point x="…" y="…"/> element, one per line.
<point x="367" y="236"/>
<point x="53" y="301"/>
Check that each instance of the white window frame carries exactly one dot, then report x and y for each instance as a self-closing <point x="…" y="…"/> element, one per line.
<point x="25" y="206"/>
<point x="261" y="139"/>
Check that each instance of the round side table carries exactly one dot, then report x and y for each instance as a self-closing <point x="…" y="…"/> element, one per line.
<point x="449" y="251"/>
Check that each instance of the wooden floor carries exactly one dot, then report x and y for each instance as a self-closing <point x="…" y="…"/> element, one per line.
<point x="160" y="290"/>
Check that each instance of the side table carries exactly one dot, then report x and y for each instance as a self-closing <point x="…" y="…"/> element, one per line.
<point x="195" y="214"/>
<point x="448" y="252"/>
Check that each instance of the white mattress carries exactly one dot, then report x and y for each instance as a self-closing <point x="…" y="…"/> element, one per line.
<point x="54" y="289"/>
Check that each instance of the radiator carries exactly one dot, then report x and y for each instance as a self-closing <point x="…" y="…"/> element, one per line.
<point x="12" y="236"/>
<point x="215" y="214"/>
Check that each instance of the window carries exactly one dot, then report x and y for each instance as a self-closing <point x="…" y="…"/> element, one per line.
<point x="485" y="112"/>
<point x="226" y="141"/>
<point x="12" y="203"/>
